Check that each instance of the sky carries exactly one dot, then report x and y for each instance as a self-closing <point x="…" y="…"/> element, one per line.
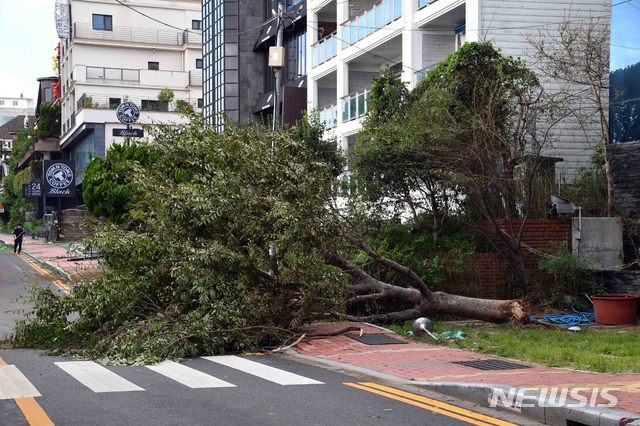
<point x="28" y="39"/>
<point x="27" y="42"/>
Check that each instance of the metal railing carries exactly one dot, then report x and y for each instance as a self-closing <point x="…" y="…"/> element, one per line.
<point x="355" y="105"/>
<point x="137" y="35"/>
<point x="325" y="49"/>
<point x="329" y="116"/>
<point x="100" y="73"/>
<point x="145" y="103"/>
<point x="420" y="74"/>
<point x="362" y="25"/>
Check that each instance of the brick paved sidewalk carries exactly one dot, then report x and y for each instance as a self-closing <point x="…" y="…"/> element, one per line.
<point x="57" y="256"/>
<point x="431" y="363"/>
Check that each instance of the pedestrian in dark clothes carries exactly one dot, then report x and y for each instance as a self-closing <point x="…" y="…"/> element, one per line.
<point x="18" y="231"/>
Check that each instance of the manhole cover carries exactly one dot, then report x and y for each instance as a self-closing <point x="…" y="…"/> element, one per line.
<point x="377" y="339"/>
<point x="492" y="364"/>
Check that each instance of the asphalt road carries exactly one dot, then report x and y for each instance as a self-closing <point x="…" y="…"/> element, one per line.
<point x="234" y="390"/>
<point x="15" y="276"/>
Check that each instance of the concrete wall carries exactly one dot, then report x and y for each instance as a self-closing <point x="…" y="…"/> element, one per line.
<point x="599" y="239"/>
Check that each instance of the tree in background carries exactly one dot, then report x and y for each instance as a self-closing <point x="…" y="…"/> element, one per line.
<point x="577" y="54"/>
<point x="624" y="98"/>
<point x="107" y="189"/>
<point x="392" y="169"/>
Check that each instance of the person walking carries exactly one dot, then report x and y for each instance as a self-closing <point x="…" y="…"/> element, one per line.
<point x="47" y="230"/>
<point x="18" y="231"/>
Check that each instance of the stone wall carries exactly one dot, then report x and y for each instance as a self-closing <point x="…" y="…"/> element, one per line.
<point x="625" y="158"/>
<point x="626" y="176"/>
<point x="76" y="224"/>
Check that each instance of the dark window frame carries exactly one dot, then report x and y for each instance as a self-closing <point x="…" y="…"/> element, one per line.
<point x="105" y="25"/>
<point x="199" y="63"/>
<point x="196" y="24"/>
<point x="153" y="66"/>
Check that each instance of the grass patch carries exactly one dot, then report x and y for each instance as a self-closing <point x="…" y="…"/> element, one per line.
<point x="599" y="350"/>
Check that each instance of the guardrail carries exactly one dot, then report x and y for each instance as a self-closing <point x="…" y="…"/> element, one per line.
<point x="355" y="105"/>
<point x="146" y="104"/>
<point x="325" y="49"/>
<point x="138" y="35"/>
<point x="329" y="116"/>
<point x="362" y="25"/>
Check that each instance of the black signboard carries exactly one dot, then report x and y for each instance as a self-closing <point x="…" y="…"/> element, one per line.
<point x="59" y="179"/>
<point x="128" y="133"/>
<point x="32" y="190"/>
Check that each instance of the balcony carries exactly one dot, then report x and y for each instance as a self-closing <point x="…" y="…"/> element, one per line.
<point x="141" y="77"/>
<point x="138" y="35"/>
<point x="355" y="105"/>
<point x="360" y="26"/>
<point x="420" y="74"/>
<point x="329" y="116"/>
<point x="325" y="49"/>
<point x="145" y="104"/>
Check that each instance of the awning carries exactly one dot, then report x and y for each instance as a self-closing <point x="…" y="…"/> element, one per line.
<point x="264" y="102"/>
<point x="270" y="28"/>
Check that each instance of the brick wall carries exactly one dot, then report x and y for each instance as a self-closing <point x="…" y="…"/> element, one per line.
<point x="548" y="236"/>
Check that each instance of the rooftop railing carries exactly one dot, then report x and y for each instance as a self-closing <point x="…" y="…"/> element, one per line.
<point x="362" y="25"/>
<point x="137" y="35"/>
<point x="325" y="49"/>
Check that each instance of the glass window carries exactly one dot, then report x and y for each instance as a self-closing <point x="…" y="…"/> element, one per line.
<point x="103" y="22"/>
<point x="153" y="66"/>
<point x="196" y="24"/>
<point x="199" y="64"/>
<point x="114" y="102"/>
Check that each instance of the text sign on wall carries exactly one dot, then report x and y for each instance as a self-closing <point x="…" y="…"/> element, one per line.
<point x="128" y="133"/>
<point x="59" y="178"/>
<point x="32" y="190"/>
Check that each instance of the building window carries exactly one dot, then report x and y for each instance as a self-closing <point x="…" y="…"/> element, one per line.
<point x="15" y="103"/>
<point x="199" y="64"/>
<point x="48" y="95"/>
<point x="1" y="102"/>
<point x="103" y="22"/>
<point x="199" y="102"/>
<point x="196" y="24"/>
<point x="153" y="65"/>
<point x="114" y="102"/>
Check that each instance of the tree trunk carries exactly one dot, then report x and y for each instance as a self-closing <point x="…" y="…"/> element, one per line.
<point x="610" y="186"/>
<point x="481" y="309"/>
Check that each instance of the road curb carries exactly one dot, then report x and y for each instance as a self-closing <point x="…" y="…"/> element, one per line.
<point x="481" y="393"/>
<point x="47" y="263"/>
<point x="545" y="412"/>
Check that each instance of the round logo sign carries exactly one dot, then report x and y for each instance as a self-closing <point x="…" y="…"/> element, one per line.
<point x="59" y="176"/>
<point x="128" y="112"/>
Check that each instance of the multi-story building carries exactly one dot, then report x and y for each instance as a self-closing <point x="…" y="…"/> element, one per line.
<point x="12" y="107"/>
<point x="350" y="41"/>
<point x="113" y="51"/>
<point x="238" y="84"/>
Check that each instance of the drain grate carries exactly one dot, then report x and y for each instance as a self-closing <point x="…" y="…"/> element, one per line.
<point x="492" y="364"/>
<point x="377" y="339"/>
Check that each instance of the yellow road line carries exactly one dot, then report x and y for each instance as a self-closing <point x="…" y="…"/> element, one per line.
<point x="32" y="411"/>
<point x="430" y="404"/>
<point x="58" y="283"/>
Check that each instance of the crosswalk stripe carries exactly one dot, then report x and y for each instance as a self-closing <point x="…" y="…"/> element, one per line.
<point x="188" y="376"/>
<point x="14" y="384"/>
<point x="266" y="372"/>
<point x="96" y="377"/>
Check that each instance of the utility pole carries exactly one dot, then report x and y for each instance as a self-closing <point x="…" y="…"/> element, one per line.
<point x="278" y="65"/>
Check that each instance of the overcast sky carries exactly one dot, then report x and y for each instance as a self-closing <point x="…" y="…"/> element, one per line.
<point x="28" y="39"/>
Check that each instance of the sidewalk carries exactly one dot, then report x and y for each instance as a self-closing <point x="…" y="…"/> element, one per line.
<point x="433" y="366"/>
<point x="56" y="256"/>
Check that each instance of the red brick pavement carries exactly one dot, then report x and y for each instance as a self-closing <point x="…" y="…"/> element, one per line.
<point x="56" y="255"/>
<point x="425" y="362"/>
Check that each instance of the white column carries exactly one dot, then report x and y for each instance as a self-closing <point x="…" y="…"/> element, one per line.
<point x="312" y="38"/>
<point x="473" y="20"/>
<point x="411" y="44"/>
<point x="342" y="72"/>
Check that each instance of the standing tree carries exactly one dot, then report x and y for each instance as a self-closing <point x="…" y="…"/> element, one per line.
<point x="393" y="171"/>
<point x="576" y="53"/>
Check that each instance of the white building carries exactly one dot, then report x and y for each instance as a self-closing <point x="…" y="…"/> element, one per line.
<point x="12" y="107"/>
<point x="111" y="52"/>
<point x="349" y="41"/>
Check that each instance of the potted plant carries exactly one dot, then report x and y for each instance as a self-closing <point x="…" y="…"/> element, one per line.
<point x="165" y="97"/>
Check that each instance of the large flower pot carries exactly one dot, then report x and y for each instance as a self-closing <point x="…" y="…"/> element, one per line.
<point x="615" y="308"/>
